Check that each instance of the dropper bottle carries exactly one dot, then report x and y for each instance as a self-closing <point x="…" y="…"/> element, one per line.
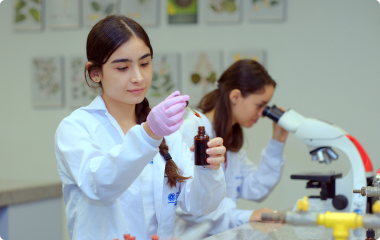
<point x="200" y="146"/>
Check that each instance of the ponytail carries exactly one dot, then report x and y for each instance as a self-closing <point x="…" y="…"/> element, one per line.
<point x="249" y="77"/>
<point x="172" y="172"/>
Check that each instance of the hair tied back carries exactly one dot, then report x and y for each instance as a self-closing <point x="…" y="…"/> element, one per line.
<point x="167" y="156"/>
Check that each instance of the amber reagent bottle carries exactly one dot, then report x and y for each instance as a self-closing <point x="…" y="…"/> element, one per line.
<point x="200" y="146"/>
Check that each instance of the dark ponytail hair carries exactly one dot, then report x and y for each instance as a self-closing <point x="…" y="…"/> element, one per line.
<point x="102" y="41"/>
<point x="249" y="77"/>
<point x="172" y="172"/>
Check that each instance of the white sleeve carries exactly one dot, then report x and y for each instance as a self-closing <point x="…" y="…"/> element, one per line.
<point x="225" y="217"/>
<point x="202" y="193"/>
<point x="102" y="176"/>
<point x="258" y="182"/>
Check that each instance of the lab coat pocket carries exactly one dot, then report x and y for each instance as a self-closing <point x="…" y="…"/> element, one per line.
<point x="169" y="203"/>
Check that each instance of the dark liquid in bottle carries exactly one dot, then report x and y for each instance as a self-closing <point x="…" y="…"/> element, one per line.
<point x="200" y="146"/>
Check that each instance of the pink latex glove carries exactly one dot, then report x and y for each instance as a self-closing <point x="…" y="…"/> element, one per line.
<point x="166" y="118"/>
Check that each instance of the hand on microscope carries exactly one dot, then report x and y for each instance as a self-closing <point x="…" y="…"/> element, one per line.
<point x="256" y="215"/>
<point x="279" y="133"/>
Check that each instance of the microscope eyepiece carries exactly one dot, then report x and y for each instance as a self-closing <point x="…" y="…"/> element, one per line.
<point x="273" y="113"/>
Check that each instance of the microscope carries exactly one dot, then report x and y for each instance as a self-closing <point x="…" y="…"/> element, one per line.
<point x="321" y="137"/>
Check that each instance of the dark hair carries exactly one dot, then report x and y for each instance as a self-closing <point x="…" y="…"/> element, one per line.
<point x="249" y="77"/>
<point x="102" y="41"/>
<point x="107" y="36"/>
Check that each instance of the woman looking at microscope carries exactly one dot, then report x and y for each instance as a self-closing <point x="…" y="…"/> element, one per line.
<point x="243" y="91"/>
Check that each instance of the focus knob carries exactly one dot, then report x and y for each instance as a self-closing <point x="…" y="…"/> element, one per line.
<point x="340" y="202"/>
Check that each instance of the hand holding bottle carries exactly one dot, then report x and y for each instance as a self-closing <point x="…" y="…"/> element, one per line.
<point x="216" y="152"/>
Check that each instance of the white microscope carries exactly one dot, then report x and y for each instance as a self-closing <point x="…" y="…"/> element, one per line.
<point x="319" y="136"/>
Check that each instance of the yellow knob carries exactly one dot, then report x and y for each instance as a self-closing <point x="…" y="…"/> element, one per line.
<point x="376" y="207"/>
<point x="303" y="204"/>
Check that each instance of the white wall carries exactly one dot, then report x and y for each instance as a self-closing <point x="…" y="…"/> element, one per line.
<point x="324" y="57"/>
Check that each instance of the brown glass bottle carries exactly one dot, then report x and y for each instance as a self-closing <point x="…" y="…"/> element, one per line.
<point x="200" y="146"/>
<point x="370" y="234"/>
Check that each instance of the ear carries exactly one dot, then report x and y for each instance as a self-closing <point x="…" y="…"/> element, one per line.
<point x="235" y="96"/>
<point x="94" y="74"/>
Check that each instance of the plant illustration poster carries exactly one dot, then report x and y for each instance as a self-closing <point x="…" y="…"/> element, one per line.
<point x="165" y="77"/>
<point x="145" y="12"/>
<point x="182" y="11"/>
<point x="63" y="13"/>
<point x="204" y="69"/>
<point x="95" y="10"/>
<point x="222" y="11"/>
<point x="47" y="86"/>
<point x="80" y="93"/>
<point x="263" y="10"/>
<point x="257" y="55"/>
<point x="27" y="15"/>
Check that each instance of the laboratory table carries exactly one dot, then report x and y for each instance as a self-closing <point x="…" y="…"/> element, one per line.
<point x="31" y="209"/>
<point x="277" y="231"/>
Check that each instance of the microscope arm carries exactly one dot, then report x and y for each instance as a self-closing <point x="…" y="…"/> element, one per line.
<point x="318" y="134"/>
<point x="320" y="137"/>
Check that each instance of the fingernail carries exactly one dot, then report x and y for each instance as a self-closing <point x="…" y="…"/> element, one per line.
<point x="208" y="151"/>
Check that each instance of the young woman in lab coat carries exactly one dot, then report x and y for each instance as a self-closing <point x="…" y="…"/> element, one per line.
<point x="243" y="91"/>
<point x="119" y="174"/>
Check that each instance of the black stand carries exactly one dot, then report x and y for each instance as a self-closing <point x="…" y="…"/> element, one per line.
<point x="325" y="181"/>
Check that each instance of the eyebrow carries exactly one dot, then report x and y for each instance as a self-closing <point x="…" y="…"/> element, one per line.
<point x="129" y="60"/>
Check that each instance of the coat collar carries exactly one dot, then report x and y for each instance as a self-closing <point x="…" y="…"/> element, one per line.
<point x="96" y="104"/>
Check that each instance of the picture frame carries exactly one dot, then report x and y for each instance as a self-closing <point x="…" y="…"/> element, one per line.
<point x="202" y="72"/>
<point x="95" y="10"/>
<point x="47" y="81"/>
<point x="144" y="12"/>
<point x="80" y="94"/>
<point x="28" y="15"/>
<point x="166" y="77"/>
<point x="258" y="55"/>
<point x="265" y="10"/>
<point x="222" y="11"/>
<point x="63" y="14"/>
<point x="182" y="11"/>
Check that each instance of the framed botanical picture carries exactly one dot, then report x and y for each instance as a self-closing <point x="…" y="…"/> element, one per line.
<point x="222" y="11"/>
<point x="166" y="77"/>
<point x="201" y="75"/>
<point x="47" y="83"/>
<point x="80" y="94"/>
<point x="257" y="55"/>
<point x="182" y="11"/>
<point x="63" y="13"/>
<point x="145" y="12"/>
<point x="27" y="15"/>
<point x="265" y="10"/>
<point x="95" y="10"/>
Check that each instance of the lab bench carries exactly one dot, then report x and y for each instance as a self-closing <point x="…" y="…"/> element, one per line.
<point x="277" y="231"/>
<point x="31" y="209"/>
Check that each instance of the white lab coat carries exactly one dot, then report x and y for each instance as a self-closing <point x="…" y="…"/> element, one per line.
<point x="100" y="166"/>
<point x="243" y="179"/>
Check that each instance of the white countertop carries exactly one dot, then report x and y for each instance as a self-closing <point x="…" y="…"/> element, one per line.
<point x="277" y="231"/>
<point x="21" y="191"/>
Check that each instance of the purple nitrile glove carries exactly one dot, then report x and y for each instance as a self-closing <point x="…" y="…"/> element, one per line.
<point x="166" y="118"/>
